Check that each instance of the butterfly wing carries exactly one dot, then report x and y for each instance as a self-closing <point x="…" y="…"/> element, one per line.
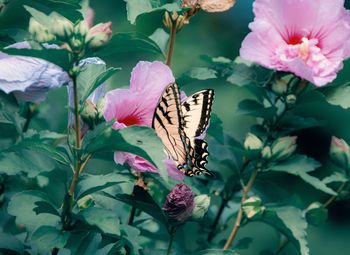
<point x="168" y="122"/>
<point x="196" y="111"/>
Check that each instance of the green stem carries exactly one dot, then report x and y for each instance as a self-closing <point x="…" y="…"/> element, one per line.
<point x="239" y="217"/>
<point x="171" y="44"/>
<point x="77" y="159"/>
<point x="132" y="215"/>
<point x="172" y="235"/>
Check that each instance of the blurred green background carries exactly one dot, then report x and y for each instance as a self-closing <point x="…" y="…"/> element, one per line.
<point x="214" y="35"/>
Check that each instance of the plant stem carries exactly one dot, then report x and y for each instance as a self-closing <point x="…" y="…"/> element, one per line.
<point x="77" y="138"/>
<point x="172" y="234"/>
<point x="333" y="198"/>
<point x="239" y="217"/>
<point x="30" y="109"/>
<point x="217" y="218"/>
<point x="171" y="44"/>
<point x="132" y="215"/>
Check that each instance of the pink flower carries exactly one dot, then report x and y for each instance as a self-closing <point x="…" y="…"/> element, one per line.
<point x="309" y="38"/>
<point x="136" y="105"/>
<point x="99" y="35"/>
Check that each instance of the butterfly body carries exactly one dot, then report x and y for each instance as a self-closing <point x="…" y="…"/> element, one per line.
<point x="180" y="125"/>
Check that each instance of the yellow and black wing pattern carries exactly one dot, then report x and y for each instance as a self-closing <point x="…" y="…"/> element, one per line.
<point x="180" y="126"/>
<point x="168" y="122"/>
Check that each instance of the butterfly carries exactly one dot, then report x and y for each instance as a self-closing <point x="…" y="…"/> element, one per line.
<point x="179" y="126"/>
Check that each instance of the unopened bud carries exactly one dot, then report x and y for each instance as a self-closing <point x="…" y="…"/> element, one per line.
<point x="252" y="142"/>
<point x="167" y="21"/>
<point x="253" y="207"/>
<point x="86" y="202"/>
<point x="180" y="22"/>
<point x="266" y="153"/>
<point x="81" y="29"/>
<point x="279" y="87"/>
<point x="340" y="152"/>
<point x="216" y="5"/>
<point x="201" y="206"/>
<point x="316" y="214"/>
<point x="100" y="108"/>
<point x="62" y="28"/>
<point x="89" y="113"/>
<point x="291" y="99"/>
<point x="39" y="32"/>
<point x="99" y="35"/>
<point x="284" y="147"/>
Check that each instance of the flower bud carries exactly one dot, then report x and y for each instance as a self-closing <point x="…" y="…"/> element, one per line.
<point x="284" y="147"/>
<point x="100" y="108"/>
<point x="201" y="206"/>
<point x="216" y="5"/>
<point x="340" y="152"/>
<point x="252" y="142"/>
<point x="266" y="153"/>
<point x="39" y="32"/>
<point x="291" y="99"/>
<point x="99" y="35"/>
<point x="86" y="202"/>
<point x="89" y="113"/>
<point x="179" y="203"/>
<point x="62" y="28"/>
<point x="252" y="207"/>
<point x="279" y="87"/>
<point x="81" y="29"/>
<point x="316" y="214"/>
<point x="167" y="21"/>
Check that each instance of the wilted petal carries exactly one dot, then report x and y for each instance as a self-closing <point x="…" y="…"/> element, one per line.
<point x="30" y="78"/>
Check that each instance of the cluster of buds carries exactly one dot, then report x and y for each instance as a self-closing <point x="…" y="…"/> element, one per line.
<point x="181" y="204"/>
<point x="279" y="150"/>
<point x="209" y="5"/>
<point x="174" y="20"/>
<point x="340" y="153"/>
<point x="74" y="37"/>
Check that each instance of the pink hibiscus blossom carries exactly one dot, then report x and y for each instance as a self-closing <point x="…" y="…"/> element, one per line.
<point x="309" y="38"/>
<point x="136" y="105"/>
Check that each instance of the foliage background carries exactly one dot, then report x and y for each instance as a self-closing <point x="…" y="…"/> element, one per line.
<point x="219" y="35"/>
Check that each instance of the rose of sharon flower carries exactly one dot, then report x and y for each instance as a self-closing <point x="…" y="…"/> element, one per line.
<point x="29" y="78"/>
<point x="309" y="38"/>
<point x="136" y="105"/>
<point x="179" y="203"/>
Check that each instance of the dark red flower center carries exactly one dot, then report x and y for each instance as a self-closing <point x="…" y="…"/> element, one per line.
<point x="130" y="120"/>
<point x="294" y="40"/>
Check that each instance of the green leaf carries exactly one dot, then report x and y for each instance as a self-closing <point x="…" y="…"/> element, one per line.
<point x="90" y="77"/>
<point x="141" y="141"/>
<point x="137" y="7"/>
<point x="316" y="214"/>
<point x="300" y="165"/>
<point x="161" y="38"/>
<point x="256" y="109"/>
<point x="91" y="183"/>
<point x="128" y="42"/>
<point x="215" y="128"/>
<point x="144" y="202"/>
<point x="11" y="119"/>
<point x="215" y="252"/>
<point x="22" y="205"/>
<point x="200" y="73"/>
<point x="59" y="57"/>
<point x="9" y="244"/>
<point x="291" y="222"/>
<point x="105" y="220"/>
<point x="25" y="161"/>
<point x="339" y="96"/>
<point x="48" y="237"/>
